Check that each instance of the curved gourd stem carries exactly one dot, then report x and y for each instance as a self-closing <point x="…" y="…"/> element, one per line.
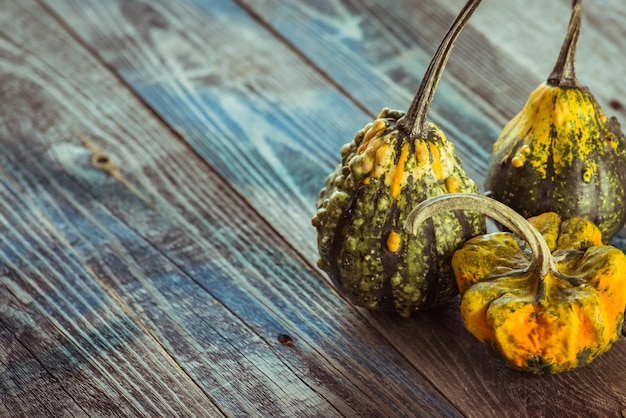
<point x="564" y="73"/>
<point x="542" y="260"/>
<point x="415" y="119"/>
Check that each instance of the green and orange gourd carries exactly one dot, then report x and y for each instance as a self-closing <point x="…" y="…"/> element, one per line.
<point x="561" y="153"/>
<point x="393" y="163"/>
<point x="547" y="297"/>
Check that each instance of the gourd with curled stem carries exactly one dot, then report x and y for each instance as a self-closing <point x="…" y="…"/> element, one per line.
<point x="549" y="311"/>
<point x="561" y="153"/>
<point x="392" y="164"/>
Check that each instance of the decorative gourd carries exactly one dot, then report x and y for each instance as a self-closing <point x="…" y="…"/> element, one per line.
<point x="392" y="164"/>
<point x="550" y="311"/>
<point x="561" y="153"/>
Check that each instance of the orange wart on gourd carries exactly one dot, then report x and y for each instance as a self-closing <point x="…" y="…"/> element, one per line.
<point x="392" y="164"/>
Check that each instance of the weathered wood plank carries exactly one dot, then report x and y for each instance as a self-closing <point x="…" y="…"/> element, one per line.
<point x="75" y="331"/>
<point x="215" y="347"/>
<point x="23" y="376"/>
<point x="253" y="110"/>
<point x="534" y="40"/>
<point x="213" y="102"/>
<point x="140" y="232"/>
<point x="378" y="52"/>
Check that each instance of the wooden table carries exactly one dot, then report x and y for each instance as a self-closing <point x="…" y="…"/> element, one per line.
<point x="159" y="169"/>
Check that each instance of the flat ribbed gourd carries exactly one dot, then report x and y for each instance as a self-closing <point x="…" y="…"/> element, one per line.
<point x="561" y="153"/>
<point x="393" y="163"/>
<point x="545" y="298"/>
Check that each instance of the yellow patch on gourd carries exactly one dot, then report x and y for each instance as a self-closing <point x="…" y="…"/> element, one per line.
<point x="436" y="162"/>
<point x="397" y="176"/>
<point x="554" y="330"/>
<point x="421" y="153"/>
<point x="558" y="123"/>
<point x="380" y="156"/>
<point x="369" y="131"/>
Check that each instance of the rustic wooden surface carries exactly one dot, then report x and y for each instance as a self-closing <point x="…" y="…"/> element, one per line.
<point x="159" y="168"/>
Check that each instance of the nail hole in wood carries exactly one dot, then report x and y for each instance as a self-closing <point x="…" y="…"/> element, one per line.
<point x="100" y="160"/>
<point x="616" y="104"/>
<point x="285" y="339"/>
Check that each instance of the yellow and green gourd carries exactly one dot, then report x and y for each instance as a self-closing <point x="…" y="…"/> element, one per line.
<point x="547" y="297"/>
<point x="561" y="153"/>
<point x="392" y="164"/>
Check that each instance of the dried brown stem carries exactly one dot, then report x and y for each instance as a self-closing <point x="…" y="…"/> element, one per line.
<point x="564" y="73"/>
<point x="542" y="260"/>
<point x="415" y="120"/>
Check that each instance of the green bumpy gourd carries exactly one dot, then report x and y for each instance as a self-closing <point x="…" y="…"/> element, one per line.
<point x="393" y="163"/>
<point x="361" y="211"/>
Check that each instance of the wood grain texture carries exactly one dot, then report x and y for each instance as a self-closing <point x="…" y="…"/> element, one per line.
<point x="252" y="109"/>
<point x="199" y="272"/>
<point x="23" y="377"/>
<point x="477" y="388"/>
<point x="170" y="291"/>
<point x="75" y="330"/>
